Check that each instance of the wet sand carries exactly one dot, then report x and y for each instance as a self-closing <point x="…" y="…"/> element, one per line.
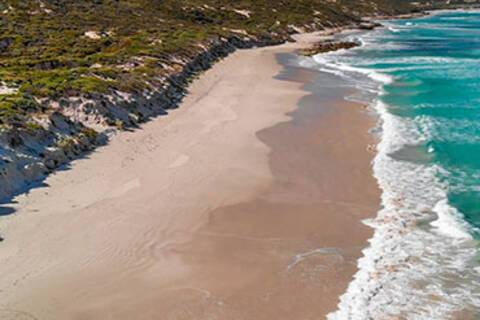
<point x="245" y="203"/>
<point x="292" y="250"/>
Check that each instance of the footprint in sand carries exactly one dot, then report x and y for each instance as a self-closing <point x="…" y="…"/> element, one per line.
<point x="124" y="188"/>
<point x="180" y="161"/>
<point x="15" y="315"/>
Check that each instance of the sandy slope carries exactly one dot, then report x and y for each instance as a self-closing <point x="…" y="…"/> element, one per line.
<point x="195" y="216"/>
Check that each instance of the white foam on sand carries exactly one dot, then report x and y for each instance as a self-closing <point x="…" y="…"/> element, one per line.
<point x="411" y="268"/>
<point x="450" y="222"/>
<point x="420" y="264"/>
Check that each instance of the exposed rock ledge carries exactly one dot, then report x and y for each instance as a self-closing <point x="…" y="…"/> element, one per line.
<point x="327" y="46"/>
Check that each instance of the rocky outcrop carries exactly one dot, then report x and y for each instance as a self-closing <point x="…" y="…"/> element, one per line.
<point x="369" y="25"/>
<point x="5" y="43"/>
<point x="327" y="46"/>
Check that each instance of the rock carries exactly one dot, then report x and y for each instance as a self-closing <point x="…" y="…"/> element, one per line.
<point x="14" y="140"/>
<point x="327" y="46"/>
<point x="369" y="25"/>
<point x="50" y="164"/>
<point x="5" y="43"/>
<point x="48" y="65"/>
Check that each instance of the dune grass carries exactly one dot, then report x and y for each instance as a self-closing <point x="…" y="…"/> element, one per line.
<point x="55" y="48"/>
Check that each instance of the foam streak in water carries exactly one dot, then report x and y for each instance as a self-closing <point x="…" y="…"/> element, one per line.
<point x="421" y="263"/>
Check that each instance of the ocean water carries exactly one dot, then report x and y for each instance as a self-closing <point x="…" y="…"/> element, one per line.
<point x="422" y="78"/>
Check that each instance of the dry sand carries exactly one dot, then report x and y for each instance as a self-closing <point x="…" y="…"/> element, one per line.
<point x="242" y="204"/>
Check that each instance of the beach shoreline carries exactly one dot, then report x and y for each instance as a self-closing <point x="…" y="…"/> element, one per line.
<point x="246" y="201"/>
<point x="99" y="126"/>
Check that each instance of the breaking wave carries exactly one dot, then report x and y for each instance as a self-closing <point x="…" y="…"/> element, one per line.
<point x="421" y="263"/>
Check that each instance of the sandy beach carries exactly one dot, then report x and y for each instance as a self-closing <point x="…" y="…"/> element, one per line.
<point x="245" y="203"/>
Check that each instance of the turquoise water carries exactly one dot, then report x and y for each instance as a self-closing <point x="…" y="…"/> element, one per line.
<point x="439" y="82"/>
<point x="422" y="78"/>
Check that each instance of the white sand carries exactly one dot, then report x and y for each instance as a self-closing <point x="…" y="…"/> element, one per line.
<point x="102" y="238"/>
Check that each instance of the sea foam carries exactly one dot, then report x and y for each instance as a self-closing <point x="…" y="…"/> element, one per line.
<point x="408" y="267"/>
<point x="421" y="261"/>
<point x="374" y="75"/>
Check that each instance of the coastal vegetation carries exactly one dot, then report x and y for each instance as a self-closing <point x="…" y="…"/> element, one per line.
<point x="52" y="48"/>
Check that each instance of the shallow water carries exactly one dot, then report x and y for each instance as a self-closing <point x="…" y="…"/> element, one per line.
<point x="422" y="77"/>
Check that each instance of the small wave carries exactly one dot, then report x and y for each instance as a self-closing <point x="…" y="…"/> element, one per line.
<point x="394" y="30"/>
<point x="423" y="60"/>
<point x="372" y="74"/>
<point x="421" y="263"/>
<point x="306" y="62"/>
<point x="409" y="267"/>
<point x="333" y="71"/>
<point x="449" y="130"/>
<point x="450" y="222"/>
